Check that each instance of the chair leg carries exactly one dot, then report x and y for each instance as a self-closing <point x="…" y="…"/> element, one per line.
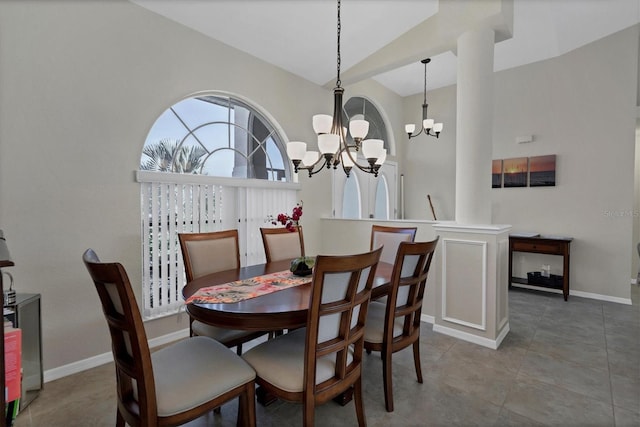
<point x="308" y="412"/>
<point x="247" y="407"/>
<point x="239" y="349"/>
<point x="386" y="380"/>
<point x="357" y="396"/>
<point x="416" y="360"/>
<point x="119" y="419"/>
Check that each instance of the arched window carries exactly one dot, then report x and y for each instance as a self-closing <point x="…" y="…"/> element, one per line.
<point x="374" y="197"/>
<point x="217" y="136"/>
<point x="210" y="162"/>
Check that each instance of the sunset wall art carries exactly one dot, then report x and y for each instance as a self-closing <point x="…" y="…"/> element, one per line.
<point x="536" y="171"/>
<point x="514" y="172"/>
<point x="542" y="171"/>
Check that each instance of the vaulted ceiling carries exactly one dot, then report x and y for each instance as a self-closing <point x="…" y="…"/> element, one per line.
<point x="385" y="39"/>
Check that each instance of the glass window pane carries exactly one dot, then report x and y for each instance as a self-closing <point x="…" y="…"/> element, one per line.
<point x="360" y="108"/>
<point x="382" y="199"/>
<point x="195" y="130"/>
<point x="351" y="198"/>
<point x="214" y="136"/>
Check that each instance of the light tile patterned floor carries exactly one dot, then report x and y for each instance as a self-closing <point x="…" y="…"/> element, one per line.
<point x="574" y="363"/>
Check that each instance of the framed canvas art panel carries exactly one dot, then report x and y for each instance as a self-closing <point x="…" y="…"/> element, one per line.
<point x="542" y="171"/>
<point x="496" y="173"/>
<point x="515" y="171"/>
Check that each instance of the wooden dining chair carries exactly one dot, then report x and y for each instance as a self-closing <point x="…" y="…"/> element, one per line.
<point x="395" y="324"/>
<point x="206" y="253"/>
<point x="389" y="238"/>
<point x="316" y="363"/>
<point x="282" y="244"/>
<point x="176" y="384"/>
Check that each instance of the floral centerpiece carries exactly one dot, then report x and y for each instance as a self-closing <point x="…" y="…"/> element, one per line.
<point x="302" y="265"/>
<point x="292" y="221"/>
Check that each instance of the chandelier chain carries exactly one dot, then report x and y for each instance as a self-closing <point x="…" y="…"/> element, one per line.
<point x="425" y="83"/>
<point x="338" y="82"/>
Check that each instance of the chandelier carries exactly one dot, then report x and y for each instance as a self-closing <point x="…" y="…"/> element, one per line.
<point x="428" y="126"/>
<point x="334" y="149"/>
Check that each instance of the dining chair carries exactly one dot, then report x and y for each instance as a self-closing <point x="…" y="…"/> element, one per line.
<point x="206" y="253"/>
<point x="282" y="244"/>
<point x="395" y="324"/>
<point x="389" y="238"/>
<point x="314" y="364"/>
<point x="175" y="384"/>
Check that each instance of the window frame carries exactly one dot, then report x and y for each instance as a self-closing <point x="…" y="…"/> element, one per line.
<point x="201" y="202"/>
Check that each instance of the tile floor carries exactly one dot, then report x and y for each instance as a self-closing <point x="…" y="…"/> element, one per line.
<point x="574" y="363"/>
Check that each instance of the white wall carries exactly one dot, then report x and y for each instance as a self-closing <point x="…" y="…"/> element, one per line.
<point x="428" y="163"/>
<point x="582" y="107"/>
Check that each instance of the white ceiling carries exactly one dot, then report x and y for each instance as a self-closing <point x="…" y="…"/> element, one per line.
<point x="300" y="35"/>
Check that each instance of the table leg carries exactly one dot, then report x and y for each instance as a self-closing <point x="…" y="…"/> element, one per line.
<point x="345" y="397"/>
<point x="264" y="397"/>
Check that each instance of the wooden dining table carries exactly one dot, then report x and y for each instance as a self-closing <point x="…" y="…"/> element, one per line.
<point x="275" y="311"/>
<point x="283" y="309"/>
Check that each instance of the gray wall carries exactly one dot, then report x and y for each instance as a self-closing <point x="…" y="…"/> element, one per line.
<point x="81" y="84"/>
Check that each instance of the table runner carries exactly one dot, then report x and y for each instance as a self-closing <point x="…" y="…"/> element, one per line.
<point x="248" y="288"/>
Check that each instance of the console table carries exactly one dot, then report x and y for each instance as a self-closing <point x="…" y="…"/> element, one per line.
<point x="550" y="245"/>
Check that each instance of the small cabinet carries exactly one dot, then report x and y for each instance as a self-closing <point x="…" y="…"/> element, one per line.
<point x="25" y="314"/>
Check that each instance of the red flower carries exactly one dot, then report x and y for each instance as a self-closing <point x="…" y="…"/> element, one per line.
<point x="290" y="222"/>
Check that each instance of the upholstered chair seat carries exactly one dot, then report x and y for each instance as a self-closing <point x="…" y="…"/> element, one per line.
<point x="374" y="329"/>
<point x="194" y="371"/>
<point x="271" y="356"/>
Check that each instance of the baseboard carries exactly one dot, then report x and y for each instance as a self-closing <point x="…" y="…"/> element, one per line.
<point x="590" y="295"/>
<point x="626" y="301"/>
<point x="428" y="319"/>
<point x="101" y="359"/>
<point x="465" y="336"/>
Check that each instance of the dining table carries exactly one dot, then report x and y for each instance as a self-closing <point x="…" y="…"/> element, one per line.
<point x="274" y="311"/>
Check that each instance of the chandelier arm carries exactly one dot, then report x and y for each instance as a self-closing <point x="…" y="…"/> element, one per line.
<point x="310" y="167"/>
<point x="367" y="168"/>
<point x="414" y="135"/>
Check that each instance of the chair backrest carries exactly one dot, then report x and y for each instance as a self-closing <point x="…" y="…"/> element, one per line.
<point x="206" y="253"/>
<point x="280" y="243"/>
<point x="335" y="324"/>
<point x="408" y="281"/>
<point x="389" y="238"/>
<point x="136" y="386"/>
